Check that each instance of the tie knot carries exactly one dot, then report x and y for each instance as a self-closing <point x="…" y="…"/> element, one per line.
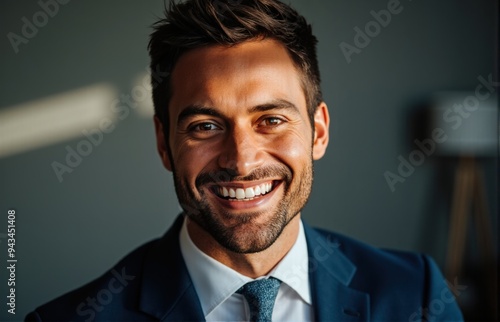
<point x="260" y="295"/>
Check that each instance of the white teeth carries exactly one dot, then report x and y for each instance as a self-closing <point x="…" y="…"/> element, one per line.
<point x="240" y="193"/>
<point x="247" y="193"/>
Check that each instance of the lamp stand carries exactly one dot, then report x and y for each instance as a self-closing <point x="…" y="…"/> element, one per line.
<point x="470" y="194"/>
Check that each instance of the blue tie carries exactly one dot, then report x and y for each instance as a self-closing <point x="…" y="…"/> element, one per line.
<point x="260" y="295"/>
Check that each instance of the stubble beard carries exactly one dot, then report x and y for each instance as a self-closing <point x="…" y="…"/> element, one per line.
<point x="244" y="235"/>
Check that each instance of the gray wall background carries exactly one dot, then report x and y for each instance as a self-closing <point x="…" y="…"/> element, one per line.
<point x="120" y="196"/>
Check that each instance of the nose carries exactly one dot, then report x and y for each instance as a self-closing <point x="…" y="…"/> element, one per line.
<point x="241" y="152"/>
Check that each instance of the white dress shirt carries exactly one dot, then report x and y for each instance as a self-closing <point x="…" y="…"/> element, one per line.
<point x="216" y="284"/>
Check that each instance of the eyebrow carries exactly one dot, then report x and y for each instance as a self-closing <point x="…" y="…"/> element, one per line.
<point x="194" y="109"/>
<point x="278" y="104"/>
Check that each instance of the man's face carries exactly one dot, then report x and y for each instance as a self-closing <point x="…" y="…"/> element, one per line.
<point x="241" y="143"/>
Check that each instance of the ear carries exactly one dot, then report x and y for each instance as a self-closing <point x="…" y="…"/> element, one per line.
<point x="161" y="144"/>
<point x="321" y="132"/>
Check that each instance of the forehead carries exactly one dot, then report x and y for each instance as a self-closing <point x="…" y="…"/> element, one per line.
<point x="242" y="76"/>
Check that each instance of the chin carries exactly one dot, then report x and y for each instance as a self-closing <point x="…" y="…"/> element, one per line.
<point x="247" y="234"/>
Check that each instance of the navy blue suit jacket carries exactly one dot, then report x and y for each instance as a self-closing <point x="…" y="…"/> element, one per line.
<point x="350" y="281"/>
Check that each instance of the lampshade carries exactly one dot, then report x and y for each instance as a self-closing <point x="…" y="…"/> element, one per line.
<point x="469" y="121"/>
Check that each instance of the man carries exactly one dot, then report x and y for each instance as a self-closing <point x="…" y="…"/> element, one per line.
<point x="239" y="119"/>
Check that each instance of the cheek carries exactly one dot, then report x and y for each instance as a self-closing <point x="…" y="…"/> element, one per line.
<point x="191" y="158"/>
<point x="294" y="148"/>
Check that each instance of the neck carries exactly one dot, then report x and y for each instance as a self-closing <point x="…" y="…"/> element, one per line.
<point x="252" y="265"/>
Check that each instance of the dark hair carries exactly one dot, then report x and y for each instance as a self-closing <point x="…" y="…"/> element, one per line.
<point x="198" y="23"/>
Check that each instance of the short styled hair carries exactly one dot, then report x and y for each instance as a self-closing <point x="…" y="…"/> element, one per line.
<point x="199" y="23"/>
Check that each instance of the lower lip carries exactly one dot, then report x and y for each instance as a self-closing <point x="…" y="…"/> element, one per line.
<point x="247" y="204"/>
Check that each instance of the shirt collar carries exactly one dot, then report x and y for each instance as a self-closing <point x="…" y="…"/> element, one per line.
<point x="215" y="282"/>
<point x="293" y="269"/>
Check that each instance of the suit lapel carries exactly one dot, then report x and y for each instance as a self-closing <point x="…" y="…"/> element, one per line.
<point x="167" y="291"/>
<point x="330" y="273"/>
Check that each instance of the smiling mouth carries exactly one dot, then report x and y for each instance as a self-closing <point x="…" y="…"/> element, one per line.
<point x="233" y="193"/>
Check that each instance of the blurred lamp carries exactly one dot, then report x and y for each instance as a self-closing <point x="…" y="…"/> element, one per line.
<point x="470" y="123"/>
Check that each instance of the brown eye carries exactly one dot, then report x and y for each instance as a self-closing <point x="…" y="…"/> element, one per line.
<point x="203" y="127"/>
<point x="271" y="121"/>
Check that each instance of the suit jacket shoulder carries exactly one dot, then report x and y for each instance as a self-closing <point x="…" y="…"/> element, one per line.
<point x="94" y="300"/>
<point x="393" y="285"/>
<point x="149" y="284"/>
